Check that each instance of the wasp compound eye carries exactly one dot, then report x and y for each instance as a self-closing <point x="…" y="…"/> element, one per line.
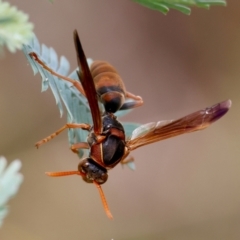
<point x="102" y="179"/>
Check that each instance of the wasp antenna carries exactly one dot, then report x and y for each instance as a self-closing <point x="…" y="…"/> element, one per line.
<point x="62" y="174"/>
<point x="104" y="200"/>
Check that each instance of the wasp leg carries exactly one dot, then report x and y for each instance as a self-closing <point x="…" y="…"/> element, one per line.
<point x="79" y="145"/>
<point x="74" y="82"/>
<point x="84" y="126"/>
<point x="136" y="103"/>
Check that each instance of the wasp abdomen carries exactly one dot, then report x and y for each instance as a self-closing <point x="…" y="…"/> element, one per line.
<point x="109" y="85"/>
<point x="100" y="67"/>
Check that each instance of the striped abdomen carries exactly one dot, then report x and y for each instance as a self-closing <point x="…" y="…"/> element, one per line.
<point x="109" y="85"/>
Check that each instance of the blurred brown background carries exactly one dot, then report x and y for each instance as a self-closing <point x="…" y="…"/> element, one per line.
<point x="186" y="188"/>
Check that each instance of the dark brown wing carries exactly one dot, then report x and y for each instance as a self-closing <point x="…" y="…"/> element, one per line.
<point x="88" y="84"/>
<point x="153" y="132"/>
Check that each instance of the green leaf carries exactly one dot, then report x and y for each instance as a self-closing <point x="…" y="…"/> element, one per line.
<point x="64" y="93"/>
<point x="10" y="180"/>
<point x="154" y="5"/>
<point x="181" y="5"/>
<point x="15" y="29"/>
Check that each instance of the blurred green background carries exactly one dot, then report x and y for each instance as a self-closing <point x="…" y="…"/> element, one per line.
<point x="184" y="188"/>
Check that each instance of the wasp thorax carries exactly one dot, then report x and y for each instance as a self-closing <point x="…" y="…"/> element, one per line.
<point x="93" y="171"/>
<point x="112" y="101"/>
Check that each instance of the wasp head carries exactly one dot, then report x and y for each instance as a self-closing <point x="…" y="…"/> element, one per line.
<point x="92" y="171"/>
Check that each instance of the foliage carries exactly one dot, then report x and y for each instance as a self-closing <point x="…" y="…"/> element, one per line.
<point x="15" y="29"/>
<point x="181" y="5"/>
<point x="10" y="180"/>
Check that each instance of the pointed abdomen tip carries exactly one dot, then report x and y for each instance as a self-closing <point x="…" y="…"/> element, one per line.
<point x="226" y="104"/>
<point x="220" y="109"/>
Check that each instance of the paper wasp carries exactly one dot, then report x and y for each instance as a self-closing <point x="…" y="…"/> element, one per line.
<point x="106" y="140"/>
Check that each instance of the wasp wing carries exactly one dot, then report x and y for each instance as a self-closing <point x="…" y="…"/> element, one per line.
<point x="154" y="132"/>
<point x="86" y="79"/>
<point x="129" y="127"/>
